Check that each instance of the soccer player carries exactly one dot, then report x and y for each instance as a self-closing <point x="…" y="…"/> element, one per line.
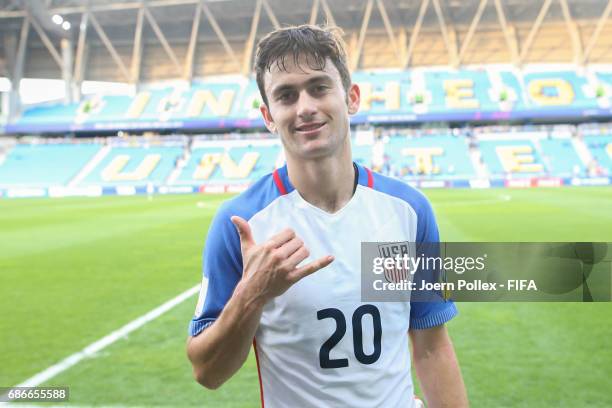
<point x="282" y="260"/>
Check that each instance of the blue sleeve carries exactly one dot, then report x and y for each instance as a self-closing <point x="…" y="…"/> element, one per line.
<point x="435" y="311"/>
<point x="222" y="269"/>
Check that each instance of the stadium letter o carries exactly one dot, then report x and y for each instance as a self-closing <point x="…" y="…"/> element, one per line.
<point x="565" y="92"/>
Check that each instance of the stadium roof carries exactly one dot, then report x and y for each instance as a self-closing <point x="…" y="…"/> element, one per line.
<point x="141" y="41"/>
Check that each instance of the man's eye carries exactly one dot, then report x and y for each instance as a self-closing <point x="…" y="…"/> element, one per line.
<point x="321" y="88"/>
<point x="284" y="97"/>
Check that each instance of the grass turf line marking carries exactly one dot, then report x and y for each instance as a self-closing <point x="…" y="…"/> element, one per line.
<point x="106" y="341"/>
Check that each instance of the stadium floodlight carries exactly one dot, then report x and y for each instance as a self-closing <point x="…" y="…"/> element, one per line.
<point x="57" y="19"/>
<point x="66" y="25"/>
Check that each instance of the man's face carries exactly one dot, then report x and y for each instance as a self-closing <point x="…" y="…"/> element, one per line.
<point x="308" y="108"/>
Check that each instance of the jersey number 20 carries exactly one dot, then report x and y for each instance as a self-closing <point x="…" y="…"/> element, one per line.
<point x="340" y="331"/>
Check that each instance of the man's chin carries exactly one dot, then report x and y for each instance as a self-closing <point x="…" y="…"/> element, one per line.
<point x="315" y="152"/>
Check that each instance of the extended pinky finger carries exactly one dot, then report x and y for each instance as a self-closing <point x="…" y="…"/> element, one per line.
<point x="311" y="268"/>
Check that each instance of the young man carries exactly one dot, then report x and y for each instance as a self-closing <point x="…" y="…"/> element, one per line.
<point x="282" y="260"/>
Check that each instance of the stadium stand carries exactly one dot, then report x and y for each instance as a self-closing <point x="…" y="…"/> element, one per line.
<point x="418" y="95"/>
<point x="601" y="148"/>
<point x="35" y="165"/>
<point x="498" y="156"/>
<point x="516" y="158"/>
<point x="49" y="114"/>
<point x="435" y="103"/>
<point x="134" y="165"/>
<point x="554" y="89"/>
<point x="511" y="93"/>
<point x="110" y="108"/>
<point x="363" y="154"/>
<point x="436" y="156"/>
<point x="560" y="158"/>
<point x="463" y="90"/>
<point x="238" y="164"/>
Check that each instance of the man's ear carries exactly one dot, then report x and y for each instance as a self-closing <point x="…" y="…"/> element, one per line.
<point x="354" y="98"/>
<point x="267" y="117"/>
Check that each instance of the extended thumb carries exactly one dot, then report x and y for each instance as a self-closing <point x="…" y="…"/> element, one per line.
<point x="244" y="230"/>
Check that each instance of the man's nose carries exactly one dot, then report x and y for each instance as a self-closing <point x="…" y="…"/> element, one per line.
<point x="306" y="105"/>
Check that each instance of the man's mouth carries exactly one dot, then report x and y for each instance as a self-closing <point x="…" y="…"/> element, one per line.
<point x="309" y="127"/>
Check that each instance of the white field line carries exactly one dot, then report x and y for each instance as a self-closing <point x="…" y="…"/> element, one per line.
<point x="106" y="341"/>
<point x="65" y="404"/>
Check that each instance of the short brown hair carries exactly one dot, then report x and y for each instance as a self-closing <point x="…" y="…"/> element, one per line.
<point x="314" y="42"/>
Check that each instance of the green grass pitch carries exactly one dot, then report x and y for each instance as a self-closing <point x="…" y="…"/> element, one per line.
<point x="73" y="270"/>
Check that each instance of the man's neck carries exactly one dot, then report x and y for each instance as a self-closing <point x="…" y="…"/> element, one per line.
<point x="325" y="183"/>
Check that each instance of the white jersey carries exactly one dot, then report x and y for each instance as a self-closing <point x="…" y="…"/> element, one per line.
<point x="318" y="344"/>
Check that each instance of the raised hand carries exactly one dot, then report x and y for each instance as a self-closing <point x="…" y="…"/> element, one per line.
<point x="270" y="268"/>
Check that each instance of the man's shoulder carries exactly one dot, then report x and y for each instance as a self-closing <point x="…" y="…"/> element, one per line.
<point x="254" y="199"/>
<point x="400" y="190"/>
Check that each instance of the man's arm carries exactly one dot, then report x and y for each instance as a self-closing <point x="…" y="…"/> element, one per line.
<point x="437" y="368"/>
<point x="221" y="349"/>
<point x="269" y="270"/>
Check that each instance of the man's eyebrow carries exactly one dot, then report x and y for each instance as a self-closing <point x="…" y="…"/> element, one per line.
<point x="310" y="81"/>
<point x="281" y="88"/>
<point x="319" y="78"/>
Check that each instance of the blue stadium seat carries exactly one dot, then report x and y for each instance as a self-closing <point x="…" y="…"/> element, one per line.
<point x="474" y="82"/>
<point x="56" y="113"/>
<point x="114" y="109"/>
<point x="362" y="154"/>
<point x="126" y="161"/>
<point x="510" y="80"/>
<point x="493" y="162"/>
<point x="598" y="145"/>
<point x="453" y="160"/>
<point x="230" y="103"/>
<point x="561" y="158"/>
<point x="45" y="165"/>
<point x="576" y="82"/>
<point x="255" y="167"/>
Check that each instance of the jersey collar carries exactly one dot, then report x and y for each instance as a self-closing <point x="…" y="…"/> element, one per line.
<point x="284" y="186"/>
